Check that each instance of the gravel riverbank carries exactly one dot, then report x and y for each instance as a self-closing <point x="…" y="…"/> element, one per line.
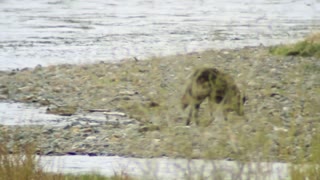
<point x="133" y="108"/>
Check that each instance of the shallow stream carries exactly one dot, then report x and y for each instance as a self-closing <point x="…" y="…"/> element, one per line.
<point x="165" y="168"/>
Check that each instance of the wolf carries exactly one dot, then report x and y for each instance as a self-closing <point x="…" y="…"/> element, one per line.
<point x="218" y="87"/>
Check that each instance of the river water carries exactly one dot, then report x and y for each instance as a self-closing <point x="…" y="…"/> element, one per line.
<point x="48" y="32"/>
<point x="165" y="168"/>
<point x="77" y="31"/>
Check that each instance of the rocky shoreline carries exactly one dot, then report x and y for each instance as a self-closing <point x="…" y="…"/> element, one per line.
<point x="132" y="108"/>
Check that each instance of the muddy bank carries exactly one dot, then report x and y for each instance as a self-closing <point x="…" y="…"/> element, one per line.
<point x="281" y="122"/>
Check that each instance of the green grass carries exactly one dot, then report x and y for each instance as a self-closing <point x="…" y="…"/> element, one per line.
<point x="311" y="168"/>
<point x="310" y="46"/>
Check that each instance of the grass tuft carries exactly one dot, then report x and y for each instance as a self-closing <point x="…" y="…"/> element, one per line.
<point x="310" y="169"/>
<point x="23" y="164"/>
<point x="308" y="47"/>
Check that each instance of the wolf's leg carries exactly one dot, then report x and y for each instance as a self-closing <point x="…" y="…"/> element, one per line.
<point x="221" y="114"/>
<point x="193" y="114"/>
<point x="211" y="105"/>
<point x="189" y="117"/>
<point x="219" y="100"/>
<point x="197" y="106"/>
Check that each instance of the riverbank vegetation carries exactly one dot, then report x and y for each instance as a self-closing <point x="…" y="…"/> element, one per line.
<point x="24" y="164"/>
<point x="308" y="47"/>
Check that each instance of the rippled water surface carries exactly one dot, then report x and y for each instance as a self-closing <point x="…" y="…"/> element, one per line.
<point x="77" y="31"/>
<point x="46" y="32"/>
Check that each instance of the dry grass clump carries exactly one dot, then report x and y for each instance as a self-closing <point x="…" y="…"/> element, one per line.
<point x="23" y="164"/>
<point x="310" y="46"/>
<point x="311" y="168"/>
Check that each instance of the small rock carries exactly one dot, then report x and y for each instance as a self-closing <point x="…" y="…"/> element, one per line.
<point x="113" y="122"/>
<point x="71" y="153"/>
<point x="115" y="114"/>
<point x="92" y="154"/>
<point x="149" y="127"/>
<point x="91" y="138"/>
<point x="30" y="98"/>
<point x="44" y="102"/>
<point x="57" y="89"/>
<point x="3" y="97"/>
<point x="75" y="130"/>
<point x="38" y="67"/>
<point x="252" y="83"/>
<point x="94" y="124"/>
<point x="4" y="89"/>
<point x="128" y="121"/>
<point x="153" y="104"/>
<point x="280" y="129"/>
<point x="114" y="138"/>
<point x="156" y="143"/>
<point x="62" y="110"/>
<point x="48" y="131"/>
<point x="87" y="130"/>
<point x="128" y="93"/>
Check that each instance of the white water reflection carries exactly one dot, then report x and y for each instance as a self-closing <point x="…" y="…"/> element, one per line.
<point x="165" y="168"/>
<point x="76" y="31"/>
<point x="26" y="114"/>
